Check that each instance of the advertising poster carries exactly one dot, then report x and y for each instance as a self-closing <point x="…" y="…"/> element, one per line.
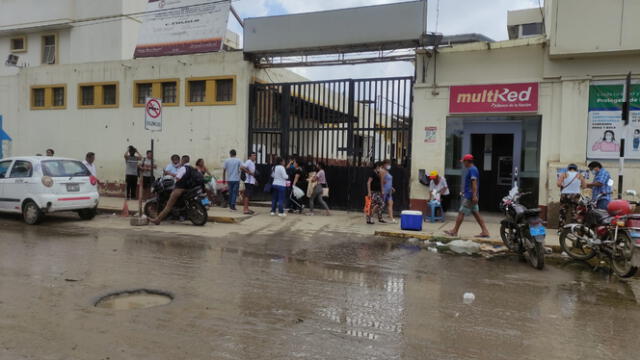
<point x="605" y="127"/>
<point x="177" y="27"/>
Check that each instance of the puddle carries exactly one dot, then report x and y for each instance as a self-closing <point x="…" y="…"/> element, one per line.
<point x="134" y="299"/>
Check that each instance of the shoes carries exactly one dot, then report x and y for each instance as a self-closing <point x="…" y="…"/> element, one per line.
<point x="282" y="215"/>
<point x="381" y="221"/>
<point x="394" y="221"/>
<point x="272" y="214"/>
<point x="369" y="222"/>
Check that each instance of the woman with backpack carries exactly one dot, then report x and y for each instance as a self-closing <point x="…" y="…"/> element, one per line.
<point x="278" y="187"/>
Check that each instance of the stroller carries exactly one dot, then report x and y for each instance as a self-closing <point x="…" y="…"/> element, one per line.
<point x="295" y="200"/>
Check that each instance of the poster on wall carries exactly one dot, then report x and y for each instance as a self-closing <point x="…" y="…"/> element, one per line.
<point x="178" y="27"/>
<point x="605" y="125"/>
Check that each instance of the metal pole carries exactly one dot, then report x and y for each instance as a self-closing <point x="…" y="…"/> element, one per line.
<point x="625" y="121"/>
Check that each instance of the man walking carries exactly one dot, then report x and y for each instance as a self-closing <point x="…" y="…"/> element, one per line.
<point x="249" y="168"/>
<point x="470" y="198"/>
<point x="600" y="188"/>
<point x="231" y="175"/>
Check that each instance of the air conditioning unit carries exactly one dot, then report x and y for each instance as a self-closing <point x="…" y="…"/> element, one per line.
<point x="12" y="60"/>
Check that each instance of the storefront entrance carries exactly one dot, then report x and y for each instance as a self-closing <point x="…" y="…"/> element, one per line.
<point x="503" y="146"/>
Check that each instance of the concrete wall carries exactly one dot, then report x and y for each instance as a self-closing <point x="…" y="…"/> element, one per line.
<point x="593" y="26"/>
<point x="563" y="103"/>
<point x="201" y="131"/>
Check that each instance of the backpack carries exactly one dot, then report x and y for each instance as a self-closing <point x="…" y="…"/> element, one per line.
<point x="192" y="178"/>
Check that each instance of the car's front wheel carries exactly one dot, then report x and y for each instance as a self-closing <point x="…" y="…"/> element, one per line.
<point x="31" y="213"/>
<point x="87" y="214"/>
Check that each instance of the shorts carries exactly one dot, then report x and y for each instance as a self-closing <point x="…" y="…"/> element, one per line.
<point x="387" y="197"/>
<point x="249" y="189"/>
<point x="147" y="181"/>
<point x="467" y="207"/>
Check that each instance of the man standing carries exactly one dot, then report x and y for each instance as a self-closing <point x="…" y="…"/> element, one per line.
<point x="50" y="152"/>
<point x="231" y="175"/>
<point x="470" y="197"/>
<point x="249" y="168"/>
<point x="600" y="188"/>
<point x="88" y="163"/>
<point x="147" y="174"/>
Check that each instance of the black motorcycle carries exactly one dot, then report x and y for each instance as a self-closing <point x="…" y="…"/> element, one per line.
<point x="188" y="206"/>
<point x="522" y="230"/>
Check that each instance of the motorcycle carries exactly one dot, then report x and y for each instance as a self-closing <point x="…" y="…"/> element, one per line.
<point x="189" y="205"/>
<point x="612" y="234"/>
<point x="522" y="229"/>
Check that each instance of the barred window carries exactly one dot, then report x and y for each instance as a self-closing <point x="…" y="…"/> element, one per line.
<point x="224" y="90"/>
<point x="144" y="92"/>
<point x="87" y="95"/>
<point x="58" y="96"/>
<point x="38" y="98"/>
<point x="197" y="91"/>
<point x="109" y="94"/>
<point x="169" y="92"/>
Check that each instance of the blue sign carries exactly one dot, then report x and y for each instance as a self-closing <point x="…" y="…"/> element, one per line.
<point x="3" y="136"/>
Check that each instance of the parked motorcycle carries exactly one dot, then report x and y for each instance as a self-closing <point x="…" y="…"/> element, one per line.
<point x="188" y="206"/>
<point x="522" y="230"/>
<point x="612" y="235"/>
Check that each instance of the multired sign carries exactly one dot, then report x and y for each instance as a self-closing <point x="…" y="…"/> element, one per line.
<point x="500" y="98"/>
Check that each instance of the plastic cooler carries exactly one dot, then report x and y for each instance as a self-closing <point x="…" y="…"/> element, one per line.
<point x="411" y="220"/>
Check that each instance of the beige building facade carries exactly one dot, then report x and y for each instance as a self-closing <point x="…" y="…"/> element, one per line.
<point x="538" y="140"/>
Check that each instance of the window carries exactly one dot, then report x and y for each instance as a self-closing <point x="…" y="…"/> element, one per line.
<point x="21" y="169"/>
<point x="532" y="29"/>
<point x="4" y="166"/>
<point x="18" y="44"/>
<point x="165" y="89"/>
<point x="98" y="95"/>
<point x="64" y="168"/>
<point x="218" y="90"/>
<point x="49" y="49"/>
<point x="48" y="97"/>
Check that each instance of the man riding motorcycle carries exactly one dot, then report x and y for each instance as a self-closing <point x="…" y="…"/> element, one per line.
<point x="186" y="178"/>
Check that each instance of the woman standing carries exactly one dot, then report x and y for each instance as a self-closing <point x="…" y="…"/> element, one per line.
<point x="387" y="189"/>
<point x="321" y="183"/>
<point x="131" y="158"/>
<point x="279" y="187"/>
<point x="571" y="184"/>
<point x="374" y="191"/>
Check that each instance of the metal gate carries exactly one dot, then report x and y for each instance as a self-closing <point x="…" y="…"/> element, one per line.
<point x="346" y="124"/>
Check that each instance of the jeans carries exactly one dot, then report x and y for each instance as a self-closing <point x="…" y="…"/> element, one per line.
<point x="603" y="203"/>
<point x="317" y="195"/>
<point x="234" y="186"/>
<point x="277" y="198"/>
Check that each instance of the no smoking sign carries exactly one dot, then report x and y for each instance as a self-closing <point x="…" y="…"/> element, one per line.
<point x="153" y="114"/>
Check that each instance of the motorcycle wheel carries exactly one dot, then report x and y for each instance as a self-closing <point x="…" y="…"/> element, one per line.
<point x="535" y="254"/>
<point x="572" y="243"/>
<point x="621" y="256"/>
<point x="151" y="209"/>
<point x="197" y="213"/>
<point x="509" y="236"/>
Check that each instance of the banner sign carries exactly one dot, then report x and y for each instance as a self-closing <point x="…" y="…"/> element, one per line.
<point x="605" y="127"/>
<point x="153" y="114"/>
<point x="176" y="27"/>
<point x="495" y="98"/>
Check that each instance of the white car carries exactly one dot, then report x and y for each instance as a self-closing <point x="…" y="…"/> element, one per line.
<point x="37" y="185"/>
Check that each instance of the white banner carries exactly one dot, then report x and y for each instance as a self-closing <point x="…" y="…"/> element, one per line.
<point x="176" y="27"/>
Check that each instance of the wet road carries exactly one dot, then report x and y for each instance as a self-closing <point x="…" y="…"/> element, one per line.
<point x="280" y="297"/>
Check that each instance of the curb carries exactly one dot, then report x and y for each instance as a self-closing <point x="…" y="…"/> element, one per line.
<point x="212" y="218"/>
<point x="444" y="238"/>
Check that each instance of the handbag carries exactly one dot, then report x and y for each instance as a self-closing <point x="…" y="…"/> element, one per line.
<point x="325" y="192"/>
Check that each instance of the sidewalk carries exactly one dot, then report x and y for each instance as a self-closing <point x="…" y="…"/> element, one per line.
<point x="340" y="221"/>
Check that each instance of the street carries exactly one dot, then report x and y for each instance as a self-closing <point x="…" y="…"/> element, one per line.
<point x="282" y="293"/>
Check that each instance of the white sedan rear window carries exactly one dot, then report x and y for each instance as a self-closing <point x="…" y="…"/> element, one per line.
<point x="64" y="168"/>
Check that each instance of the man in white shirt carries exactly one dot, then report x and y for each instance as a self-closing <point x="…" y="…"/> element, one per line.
<point x="437" y="186"/>
<point x="174" y="165"/>
<point x="249" y="168"/>
<point x="88" y="163"/>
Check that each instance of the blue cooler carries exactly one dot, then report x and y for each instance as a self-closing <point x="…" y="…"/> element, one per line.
<point x="411" y="220"/>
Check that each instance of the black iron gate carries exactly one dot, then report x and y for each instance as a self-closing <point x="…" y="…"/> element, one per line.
<point x="346" y="124"/>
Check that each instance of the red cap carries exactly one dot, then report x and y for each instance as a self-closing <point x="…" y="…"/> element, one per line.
<point x="467" y="157"/>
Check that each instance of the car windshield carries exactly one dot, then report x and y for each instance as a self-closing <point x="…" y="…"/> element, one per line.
<point x="64" y="168"/>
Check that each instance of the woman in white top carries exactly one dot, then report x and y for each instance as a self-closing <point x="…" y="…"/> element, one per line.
<point x="279" y="187"/>
<point x="571" y="184"/>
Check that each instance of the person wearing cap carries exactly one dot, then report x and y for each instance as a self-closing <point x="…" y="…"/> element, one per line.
<point x="571" y="183"/>
<point x="437" y="185"/>
<point x="470" y="198"/>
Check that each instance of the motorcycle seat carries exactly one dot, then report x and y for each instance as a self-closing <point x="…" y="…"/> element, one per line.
<point x="532" y="212"/>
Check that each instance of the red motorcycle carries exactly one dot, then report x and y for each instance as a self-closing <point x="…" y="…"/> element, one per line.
<point x="612" y="234"/>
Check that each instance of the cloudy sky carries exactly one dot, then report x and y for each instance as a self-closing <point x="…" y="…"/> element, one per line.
<point x="488" y="17"/>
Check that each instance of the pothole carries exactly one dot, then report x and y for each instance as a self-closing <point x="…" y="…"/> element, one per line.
<point x="134" y="299"/>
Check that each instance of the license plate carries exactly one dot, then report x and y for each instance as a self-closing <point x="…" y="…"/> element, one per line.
<point x="73" y="187"/>
<point x="537" y="230"/>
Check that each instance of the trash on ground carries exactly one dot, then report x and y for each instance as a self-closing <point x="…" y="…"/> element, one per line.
<point x="412" y="240"/>
<point x="548" y="250"/>
<point x="493" y="249"/>
<point x="468" y="298"/>
<point x="464" y="247"/>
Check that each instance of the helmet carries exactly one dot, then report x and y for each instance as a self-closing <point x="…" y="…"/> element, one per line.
<point x="619" y="208"/>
